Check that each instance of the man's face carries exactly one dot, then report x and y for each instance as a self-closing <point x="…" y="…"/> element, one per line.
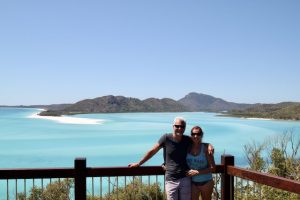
<point x="179" y="127"/>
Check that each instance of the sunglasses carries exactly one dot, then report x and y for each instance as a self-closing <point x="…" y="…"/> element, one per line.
<point x="198" y="134"/>
<point x="179" y="126"/>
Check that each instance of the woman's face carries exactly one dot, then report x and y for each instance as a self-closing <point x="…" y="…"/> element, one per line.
<point x="196" y="135"/>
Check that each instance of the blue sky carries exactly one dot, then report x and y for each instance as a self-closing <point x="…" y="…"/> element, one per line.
<point x="63" y="51"/>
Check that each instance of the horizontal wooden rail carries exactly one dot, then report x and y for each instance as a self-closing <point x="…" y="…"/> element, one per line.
<point x="138" y="171"/>
<point x="266" y="179"/>
<point x="37" y="173"/>
<point x="30" y="173"/>
<point x="124" y="171"/>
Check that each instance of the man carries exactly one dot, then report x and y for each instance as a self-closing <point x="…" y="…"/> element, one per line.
<point x="177" y="184"/>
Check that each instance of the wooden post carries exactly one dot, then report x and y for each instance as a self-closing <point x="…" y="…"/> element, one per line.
<point x="227" y="181"/>
<point x="80" y="178"/>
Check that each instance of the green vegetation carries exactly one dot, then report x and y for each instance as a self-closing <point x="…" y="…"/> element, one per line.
<point x="278" y="156"/>
<point x="54" y="113"/>
<point x="118" y="104"/>
<point x="133" y="191"/>
<point x="60" y="190"/>
<point x="285" y="111"/>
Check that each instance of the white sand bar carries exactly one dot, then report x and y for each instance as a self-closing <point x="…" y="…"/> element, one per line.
<point x="68" y="120"/>
<point x="257" y="118"/>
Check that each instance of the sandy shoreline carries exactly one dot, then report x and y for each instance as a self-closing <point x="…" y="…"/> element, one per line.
<point x="257" y="118"/>
<point x="67" y="119"/>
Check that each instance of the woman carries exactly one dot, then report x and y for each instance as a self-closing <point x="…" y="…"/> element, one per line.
<point x="201" y="165"/>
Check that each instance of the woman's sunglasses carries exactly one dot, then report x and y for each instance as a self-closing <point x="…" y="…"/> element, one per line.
<point x="198" y="134"/>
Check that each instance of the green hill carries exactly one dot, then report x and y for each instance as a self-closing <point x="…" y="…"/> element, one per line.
<point x="192" y="102"/>
<point x="118" y="104"/>
<point x="284" y="110"/>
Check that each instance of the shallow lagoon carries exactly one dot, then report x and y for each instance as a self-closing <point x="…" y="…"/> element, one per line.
<point x="120" y="139"/>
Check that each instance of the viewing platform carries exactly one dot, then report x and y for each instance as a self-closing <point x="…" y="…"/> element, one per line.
<point x="231" y="182"/>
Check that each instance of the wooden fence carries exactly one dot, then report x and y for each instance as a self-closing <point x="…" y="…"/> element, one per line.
<point x="81" y="172"/>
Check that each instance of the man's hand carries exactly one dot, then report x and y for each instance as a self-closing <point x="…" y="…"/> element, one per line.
<point x="133" y="165"/>
<point x="210" y="149"/>
<point x="164" y="167"/>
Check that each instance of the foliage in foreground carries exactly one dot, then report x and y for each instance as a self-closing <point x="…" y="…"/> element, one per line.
<point x="278" y="156"/>
<point x="133" y="191"/>
<point x="58" y="190"/>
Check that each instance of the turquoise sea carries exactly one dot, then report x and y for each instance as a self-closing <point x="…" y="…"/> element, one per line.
<point x="122" y="138"/>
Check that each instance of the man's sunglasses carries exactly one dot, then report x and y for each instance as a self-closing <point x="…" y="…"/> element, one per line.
<point x="179" y="126"/>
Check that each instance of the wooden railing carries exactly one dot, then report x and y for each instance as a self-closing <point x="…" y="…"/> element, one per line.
<point x="81" y="172"/>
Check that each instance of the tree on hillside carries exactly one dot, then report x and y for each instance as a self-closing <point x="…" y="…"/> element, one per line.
<point x="279" y="156"/>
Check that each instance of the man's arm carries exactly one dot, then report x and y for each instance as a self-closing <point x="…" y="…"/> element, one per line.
<point x="211" y="149"/>
<point x="147" y="156"/>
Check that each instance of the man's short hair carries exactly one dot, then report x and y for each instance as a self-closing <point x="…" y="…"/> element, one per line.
<point x="181" y="119"/>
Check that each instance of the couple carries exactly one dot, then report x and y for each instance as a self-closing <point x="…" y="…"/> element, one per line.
<point x="185" y="157"/>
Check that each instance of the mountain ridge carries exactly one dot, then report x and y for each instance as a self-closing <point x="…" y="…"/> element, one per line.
<point x="192" y="102"/>
<point x="203" y="102"/>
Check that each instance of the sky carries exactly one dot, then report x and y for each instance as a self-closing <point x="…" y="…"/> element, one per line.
<point x="64" y="51"/>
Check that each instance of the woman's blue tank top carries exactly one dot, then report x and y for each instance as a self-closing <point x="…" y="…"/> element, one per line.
<point x="199" y="162"/>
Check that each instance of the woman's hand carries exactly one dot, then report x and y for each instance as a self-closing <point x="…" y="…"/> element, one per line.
<point x="192" y="172"/>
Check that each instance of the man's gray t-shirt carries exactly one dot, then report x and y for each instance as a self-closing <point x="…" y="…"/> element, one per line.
<point x="175" y="156"/>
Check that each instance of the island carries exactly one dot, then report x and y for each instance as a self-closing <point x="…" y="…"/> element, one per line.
<point x="192" y="102"/>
